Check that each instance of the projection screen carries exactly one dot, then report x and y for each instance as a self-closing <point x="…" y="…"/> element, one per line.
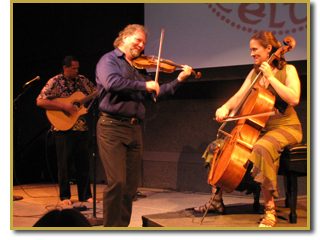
<point x="205" y="35"/>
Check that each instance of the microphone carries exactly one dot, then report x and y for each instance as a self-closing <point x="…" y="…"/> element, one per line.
<point x="35" y="79"/>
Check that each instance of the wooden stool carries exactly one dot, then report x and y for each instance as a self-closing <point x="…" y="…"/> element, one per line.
<point x="293" y="164"/>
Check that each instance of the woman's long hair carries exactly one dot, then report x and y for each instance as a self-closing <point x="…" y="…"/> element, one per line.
<point x="266" y="38"/>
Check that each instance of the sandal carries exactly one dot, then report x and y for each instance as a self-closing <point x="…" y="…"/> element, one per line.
<point x="269" y="218"/>
<point x="216" y="206"/>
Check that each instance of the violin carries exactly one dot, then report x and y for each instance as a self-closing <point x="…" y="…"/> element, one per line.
<point x="167" y="66"/>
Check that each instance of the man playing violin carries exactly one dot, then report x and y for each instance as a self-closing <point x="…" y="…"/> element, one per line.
<point x="281" y="129"/>
<point x="122" y="88"/>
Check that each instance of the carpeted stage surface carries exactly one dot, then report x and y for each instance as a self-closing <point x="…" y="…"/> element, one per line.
<point x="159" y="210"/>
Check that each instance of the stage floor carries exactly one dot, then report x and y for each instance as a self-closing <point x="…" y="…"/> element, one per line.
<point x="160" y="208"/>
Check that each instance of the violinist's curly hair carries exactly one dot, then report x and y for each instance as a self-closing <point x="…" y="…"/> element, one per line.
<point x="129" y="30"/>
<point x="265" y="38"/>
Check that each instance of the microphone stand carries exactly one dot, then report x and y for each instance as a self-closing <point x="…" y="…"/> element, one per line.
<point x="94" y="221"/>
<point x="15" y="133"/>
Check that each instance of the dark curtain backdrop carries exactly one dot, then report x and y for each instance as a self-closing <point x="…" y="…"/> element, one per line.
<point x="43" y="34"/>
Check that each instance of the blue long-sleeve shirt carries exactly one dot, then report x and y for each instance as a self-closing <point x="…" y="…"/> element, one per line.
<point x="122" y="88"/>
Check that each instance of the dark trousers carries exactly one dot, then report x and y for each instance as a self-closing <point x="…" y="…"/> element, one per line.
<point x="72" y="147"/>
<point x="120" y="149"/>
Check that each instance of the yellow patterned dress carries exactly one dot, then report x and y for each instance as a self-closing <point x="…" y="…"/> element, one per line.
<point x="281" y="130"/>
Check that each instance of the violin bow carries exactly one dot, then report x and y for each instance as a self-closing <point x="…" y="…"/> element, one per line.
<point x="159" y="57"/>
<point x="228" y="119"/>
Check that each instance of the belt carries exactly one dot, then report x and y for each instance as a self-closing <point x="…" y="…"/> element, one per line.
<point x="134" y="121"/>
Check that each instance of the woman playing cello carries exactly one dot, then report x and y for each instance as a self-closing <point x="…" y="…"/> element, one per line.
<point x="282" y="129"/>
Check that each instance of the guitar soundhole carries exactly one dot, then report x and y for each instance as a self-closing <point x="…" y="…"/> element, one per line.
<point x="77" y="104"/>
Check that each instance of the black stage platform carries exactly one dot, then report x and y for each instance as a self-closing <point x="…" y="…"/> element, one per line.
<point x="238" y="217"/>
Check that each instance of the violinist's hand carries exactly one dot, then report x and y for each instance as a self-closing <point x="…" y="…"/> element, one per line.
<point x="266" y="70"/>
<point x="221" y="113"/>
<point x="186" y="72"/>
<point x="153" y="86"/>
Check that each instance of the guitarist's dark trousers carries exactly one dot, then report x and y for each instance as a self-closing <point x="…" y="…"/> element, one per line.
<point x="72" y="147"/>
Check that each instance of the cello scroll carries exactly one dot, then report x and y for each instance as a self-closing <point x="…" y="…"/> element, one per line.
<point x="290" y="42"/>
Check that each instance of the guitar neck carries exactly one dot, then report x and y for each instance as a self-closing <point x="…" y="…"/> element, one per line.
<point x="87" y="98"/>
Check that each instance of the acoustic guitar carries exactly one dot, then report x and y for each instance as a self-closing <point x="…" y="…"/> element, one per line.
<point x="62" y="119"/>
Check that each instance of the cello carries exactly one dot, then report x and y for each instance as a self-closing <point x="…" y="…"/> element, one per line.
<point x="230" y="153"/>
<point x="230" y="159"/>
